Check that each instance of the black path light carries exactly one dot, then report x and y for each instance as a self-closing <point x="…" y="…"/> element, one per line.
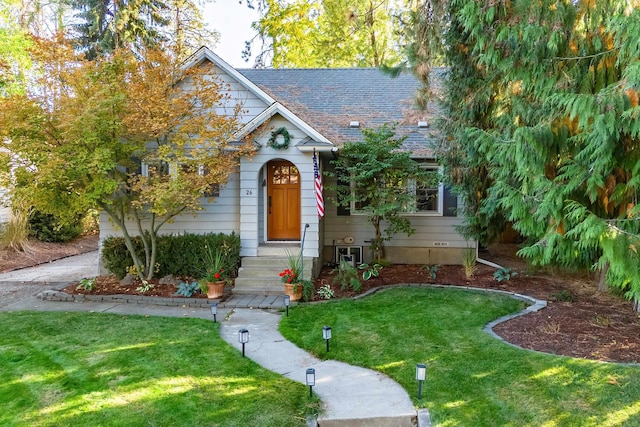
<point x="326" y="334"/>
<point x="421" y="374"/>
<point x="243" y="337"/>
<point x="287" y="303"/>
<point x="214" y="311"/>
<point x="311" y="380"/>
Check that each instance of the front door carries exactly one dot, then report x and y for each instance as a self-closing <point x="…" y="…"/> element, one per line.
<point x="283" y="201"/>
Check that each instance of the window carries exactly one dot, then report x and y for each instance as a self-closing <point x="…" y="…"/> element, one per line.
<point x="214" y="189"/>
<point x="428" y="197"/>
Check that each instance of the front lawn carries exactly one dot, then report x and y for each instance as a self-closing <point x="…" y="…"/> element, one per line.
<point x="472" y="378"/>
<point x="89" y="369"/>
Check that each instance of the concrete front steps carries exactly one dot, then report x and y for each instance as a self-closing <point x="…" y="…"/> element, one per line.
<point x="261" y="274"/>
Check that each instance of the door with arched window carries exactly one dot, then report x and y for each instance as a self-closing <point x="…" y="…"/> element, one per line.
<point x="283" y="201"/>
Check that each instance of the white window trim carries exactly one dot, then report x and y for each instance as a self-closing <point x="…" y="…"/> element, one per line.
<point x="438" y="212"/>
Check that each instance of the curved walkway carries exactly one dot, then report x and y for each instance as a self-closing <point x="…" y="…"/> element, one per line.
<point x="351" y="395"/>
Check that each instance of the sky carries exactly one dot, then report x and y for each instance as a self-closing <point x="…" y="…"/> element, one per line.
<point x="233" y="21"/>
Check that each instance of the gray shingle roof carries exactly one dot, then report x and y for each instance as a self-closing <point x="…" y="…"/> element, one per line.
<point x="328" y="99"/>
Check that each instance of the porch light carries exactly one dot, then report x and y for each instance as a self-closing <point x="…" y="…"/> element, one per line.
<point x="243" y="337"/>
<point x="326" y="334"/>
<point x="311" y="380"/>
<point x="421" y="374"/>
<point x="214" y="311"/>
<point x="287" y="303"/>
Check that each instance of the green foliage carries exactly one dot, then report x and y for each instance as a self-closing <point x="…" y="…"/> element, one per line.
<point x="327" y="33"/>
<point x="346" y="275"/>
<point x="49" y="228"/>
<point x="380" y="174"/>
<point x="87" y="284"/>
<point x="187" y="289"/>
<point x="370" y="270"/>
<point x="216" y="263"/>
<point x="541" y="127"/>
<point x="145" y="287"/>
<point x="325" y="291"/>
<point x="307" y="289"/>
<point x="180" y="255"/>
<point x="504" y="274"/>
<point x="432" y="269"/>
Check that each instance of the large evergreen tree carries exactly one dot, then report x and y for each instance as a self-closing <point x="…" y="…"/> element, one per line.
<point x="543" y="127"/>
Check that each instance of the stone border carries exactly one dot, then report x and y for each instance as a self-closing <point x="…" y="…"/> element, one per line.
<point x="53" y="295"/>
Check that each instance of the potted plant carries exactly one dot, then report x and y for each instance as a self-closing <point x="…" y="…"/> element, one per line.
<point x="294" y="285"/>
<point x="215" y="274"/>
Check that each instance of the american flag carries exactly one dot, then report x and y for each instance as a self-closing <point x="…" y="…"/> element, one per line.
<point x="318" y="186"/>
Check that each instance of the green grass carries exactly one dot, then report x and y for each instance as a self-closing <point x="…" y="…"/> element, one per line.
<point x="472" y="379"/>
<point x="89" y="369"/>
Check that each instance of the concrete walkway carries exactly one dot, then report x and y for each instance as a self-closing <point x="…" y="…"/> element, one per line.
<point x="351" y="396"/>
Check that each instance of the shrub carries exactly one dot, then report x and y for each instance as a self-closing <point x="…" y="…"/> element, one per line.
<point x="48" y="228"/>
<point x="346" y="276"/>
<point x="187" y="289"/>
<point x="504" y="274"/>
<point x="370" y="271"/>
<point x="432" y="269"/>
<point x="181" y="256"/>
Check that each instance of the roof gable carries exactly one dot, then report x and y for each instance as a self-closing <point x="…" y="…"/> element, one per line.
<point x="204" y="53"/>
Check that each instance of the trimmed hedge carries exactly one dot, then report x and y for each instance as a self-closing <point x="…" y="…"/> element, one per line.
<point x="181" y="256"/>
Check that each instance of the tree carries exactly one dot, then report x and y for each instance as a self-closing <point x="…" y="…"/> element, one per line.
<point x="543" y="99"/>
<point x="101" y="26"/>
<point x="106" y="25"/>
<point x="381" y="175"/>
<point x="327" y="33"/>
<point x="87" y="128"/>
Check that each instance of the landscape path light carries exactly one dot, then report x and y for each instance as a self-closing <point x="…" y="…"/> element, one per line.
<point x="243" y="337"/>
<point x="421" y="374"/>
<point x="287" y="303"/>
<point x="311" y="380"/>
<point x="214" y="311"/>
<point x="326" y="334"/>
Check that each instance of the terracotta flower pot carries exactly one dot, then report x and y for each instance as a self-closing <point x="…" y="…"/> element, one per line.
<point x="215" y="289"/>
<point x="288" y="290"/>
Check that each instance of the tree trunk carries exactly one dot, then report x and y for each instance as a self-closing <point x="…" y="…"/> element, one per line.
<point x="602" y="278"/>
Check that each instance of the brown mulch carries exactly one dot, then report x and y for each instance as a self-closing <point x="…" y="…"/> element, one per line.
<point x="579" y="321"/>
<point x="43" y="252"/>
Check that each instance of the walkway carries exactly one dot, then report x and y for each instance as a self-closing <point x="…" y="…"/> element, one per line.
<point x="351" y="396"/>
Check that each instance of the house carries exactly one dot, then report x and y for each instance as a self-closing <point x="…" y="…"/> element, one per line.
<point x="271" y="201"/>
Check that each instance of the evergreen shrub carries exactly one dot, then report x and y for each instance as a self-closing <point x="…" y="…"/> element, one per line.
<point x="181" y="256"/>
<point x="48" y="228"/>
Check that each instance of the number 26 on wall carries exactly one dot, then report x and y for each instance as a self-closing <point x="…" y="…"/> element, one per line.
<point x="248" y="193"/>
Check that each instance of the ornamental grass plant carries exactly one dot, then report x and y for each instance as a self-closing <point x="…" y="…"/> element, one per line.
<point x="473" y="379"/>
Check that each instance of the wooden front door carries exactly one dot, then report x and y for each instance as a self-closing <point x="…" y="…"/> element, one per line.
<point x="283" y="201"/>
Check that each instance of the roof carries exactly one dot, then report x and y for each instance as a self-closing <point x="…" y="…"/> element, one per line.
<point x="328" y="99"/>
